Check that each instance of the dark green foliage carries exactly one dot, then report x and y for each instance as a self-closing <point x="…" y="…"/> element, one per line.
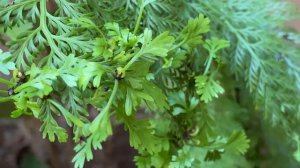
<point x="215" y="79"/>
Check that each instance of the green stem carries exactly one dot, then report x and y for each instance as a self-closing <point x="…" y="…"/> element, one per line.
<point x="208" y="64"/>
<point x="5" y="99"/>
<point x="7" y="82"/>
<point x="138" y="55"/>
<point x="3" y="92"/>
<point x="179" y="44"/>
<point x="48" y="35"/>
<point x="132" y="60"/>
<point x="95" y="124"/>
<point x="137" y="24"/>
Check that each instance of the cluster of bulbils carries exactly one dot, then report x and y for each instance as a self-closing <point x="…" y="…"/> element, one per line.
<point x="119" y="73"/>
<point x="21" y="78"/>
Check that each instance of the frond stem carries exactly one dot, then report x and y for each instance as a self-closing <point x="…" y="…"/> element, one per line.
<point x="5" y="99"/>
<point x="46" y="32"/>
<point x="137" y="24"/>
<point x="3" y="92"/>
<point x="95" y="124"/>
<point x="7" y="82"/>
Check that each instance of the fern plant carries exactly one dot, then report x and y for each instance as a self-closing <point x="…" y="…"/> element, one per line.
<point x="215" y="78"/>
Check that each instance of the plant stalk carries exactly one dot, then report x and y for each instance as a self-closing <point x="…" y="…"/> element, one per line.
<point x="3" y="92"/>
<point x="95" y="124"/>
<point x="137" y="24"/>
<point x="208" y="64"/>
<point x="5" y="99"/>
<point x="7" y="82"/>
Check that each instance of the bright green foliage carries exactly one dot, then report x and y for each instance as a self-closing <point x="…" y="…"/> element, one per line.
<point x="158" y="46"/>
<point x="219" y="82"/>
<point x="207" y="88"/>
<point x="191" y="34"/>
<point x="188" y="156"/>
<point x="214" y="45"/>
<point x="237" y="142"/>
<point x="142" y="137"/>
<point x="5" y="66"/>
